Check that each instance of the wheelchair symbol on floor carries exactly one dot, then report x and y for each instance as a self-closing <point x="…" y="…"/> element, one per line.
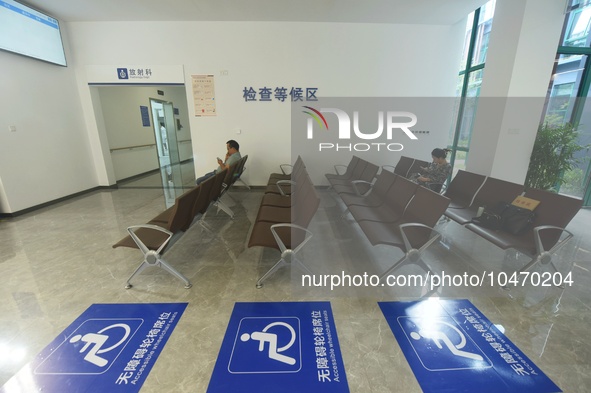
<point x="442" y="345"/>
<point x="440" y="338"/>
<point x="92" y="348"/>
<point x="271" y="338"/>
<point x="94" y="343"/>
<point x="267" y="345"/>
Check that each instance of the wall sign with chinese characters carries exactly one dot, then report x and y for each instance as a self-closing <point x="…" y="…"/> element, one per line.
<point x="291" y="345"/>
<point x="135" y="74"/>
<point x="109" y="348"/>
<point x="282" y="94"/>
<point x="203" y="95"/>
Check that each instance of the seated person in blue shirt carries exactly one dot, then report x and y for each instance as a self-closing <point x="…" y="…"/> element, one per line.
<point x="232" y="157"/>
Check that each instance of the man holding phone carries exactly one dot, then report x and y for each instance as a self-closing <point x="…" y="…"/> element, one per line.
<point x="232" y="157"/>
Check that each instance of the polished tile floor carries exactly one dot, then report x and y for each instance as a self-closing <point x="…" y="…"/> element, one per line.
<point x="58" y="260"/>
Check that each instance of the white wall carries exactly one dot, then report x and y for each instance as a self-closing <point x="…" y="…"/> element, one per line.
<point x="48" y="156"/>
<point x="515" y="82"/>
<point x="61" y="146"/>
<point x="351" y="60"/>
<point x="120" y="108"/>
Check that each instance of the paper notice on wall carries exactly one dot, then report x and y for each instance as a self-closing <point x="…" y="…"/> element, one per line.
<point x="203" y="95"/>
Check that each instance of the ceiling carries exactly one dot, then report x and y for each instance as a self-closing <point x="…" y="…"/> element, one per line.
<point x="443" y="12"/>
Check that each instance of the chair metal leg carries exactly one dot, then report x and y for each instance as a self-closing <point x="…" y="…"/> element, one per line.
<point x="152" y="258"/>
<point x="137" y="271"/>
<point x="243" y="182"/>
<point x="222" y="206"/>
<point x="413" y="257"/>
<point x="287" y="255"/>
<point x="282" y="262"/>
<point x="287" y="258"/>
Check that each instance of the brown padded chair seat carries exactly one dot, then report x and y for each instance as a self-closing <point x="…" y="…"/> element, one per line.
<point x="396" y="199"/>
<point x="301" y="214"/>
<point x="384" y="181"/>
<point x="462" y="189"/>
<point x="426" y="207"/>
<point x="204" y="198"/>
<point x="359" y="173"/>
<point x="276" y="200"/>
<point x="273" y="177"/>
<point x="274" y="214"/>
<point x="295" y="176"/>
<point x="298" y="170"/>
<point x="151" y="238"/>
<point x="181" y="214"/>
<point x="368" y="174"/>
<point x="416" y="167"/>
<point x="554" y="209"/>
<point x="261" y="236"/>
<point x="348" y="171"/>
<point x="163" y="218"/>
<point x="491" y="193"/>
<point x="506" y="240"/>
<point x="403" y="166"/>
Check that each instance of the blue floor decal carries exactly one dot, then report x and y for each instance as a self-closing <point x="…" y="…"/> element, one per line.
<point x="291" y="345"/>
<point x="109" y="348"/>
<point x="452" y="347"/>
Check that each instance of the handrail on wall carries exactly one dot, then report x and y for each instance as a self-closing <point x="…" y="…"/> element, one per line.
<point x="131" y="147"/>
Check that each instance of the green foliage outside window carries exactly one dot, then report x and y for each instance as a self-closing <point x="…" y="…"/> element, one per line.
<point x="553" y="155"/>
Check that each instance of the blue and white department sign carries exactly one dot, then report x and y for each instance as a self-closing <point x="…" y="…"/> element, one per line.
<point x="291" y="345"/>
<point x="452" y="347"/>
<point x="109" y="348"/>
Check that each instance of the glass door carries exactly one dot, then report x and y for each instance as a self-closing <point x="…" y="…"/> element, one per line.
<point x="167" y="147"/>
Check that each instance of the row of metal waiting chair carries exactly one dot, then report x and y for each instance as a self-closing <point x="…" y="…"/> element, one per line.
<point x="391" y="209"/>
<point x="287" y="208"/>
<point x="546" y="235"/>
<point x="360" y="173"/>
<point x="158" y="235"/>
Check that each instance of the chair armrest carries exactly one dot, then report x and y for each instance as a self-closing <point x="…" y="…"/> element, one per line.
<point x="308" y="235"/>
<point x="281" y="166"/>
<point x="336" y="168"/>
<point x="407" y="244"/>
<point x="357" y="191"/>
<point x="561" y="242"/>
<point x="143" y="248"/>
<point x="280" y="183"/>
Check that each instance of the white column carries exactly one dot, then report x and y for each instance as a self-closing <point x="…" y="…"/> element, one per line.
<point x="522" y="48"/>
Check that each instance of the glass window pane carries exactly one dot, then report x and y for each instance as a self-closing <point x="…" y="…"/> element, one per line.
<point x="576" y="32"/>
<point x="460" y="162"/>
<point x="467" y="35"/>
<point x="560" y="107"/>
<point x="482" y="36"/>
<point x="474" y="83"/>
<point x="459" y="85"/>
<point x="578" y="178"/>
<point x="564" y="87"/>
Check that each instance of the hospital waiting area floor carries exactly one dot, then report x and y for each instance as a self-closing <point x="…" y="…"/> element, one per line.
<point x="57" y="261"/>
